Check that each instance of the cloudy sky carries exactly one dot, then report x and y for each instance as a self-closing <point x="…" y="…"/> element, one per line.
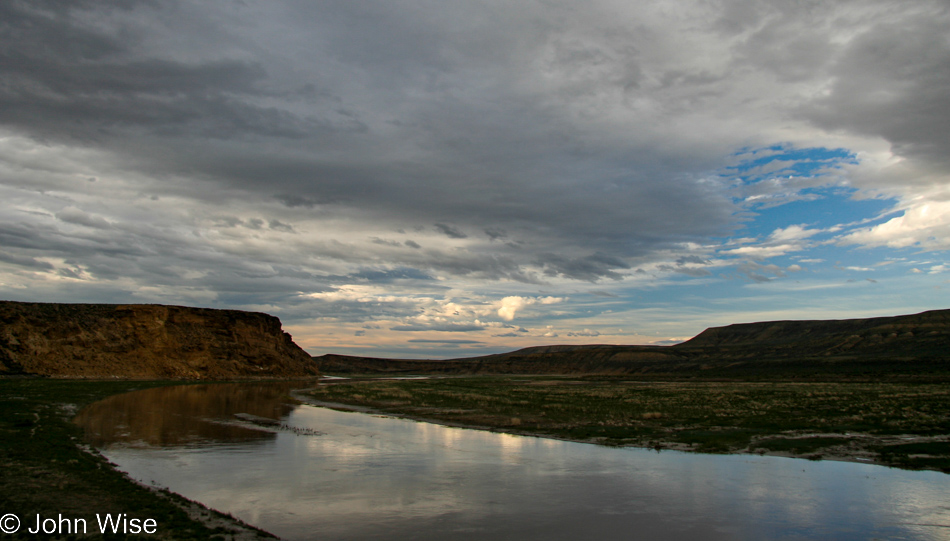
<point x="419" y="178"/>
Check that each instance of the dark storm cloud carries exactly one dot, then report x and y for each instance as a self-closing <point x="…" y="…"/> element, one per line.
<point x="496" y="234"/>
<point x="270" y="153"/>
<point x="152" y="256"/>
<point x="296" y="201"/>
<point x="67" y="77"/>
<point x="892" y="81"/>
<point x="31" y="239"/>
<point x="451" y="232"/>
<point x="26" y="262"/>
<point x="385" y="276"/>
<point x="384" y="242"/>
<point x="590" y="268"/>
<point x="477" y="266"/>
<point x="682" y="266"/>
<point x="277" y="225"/>
<point x="513" y="163"/>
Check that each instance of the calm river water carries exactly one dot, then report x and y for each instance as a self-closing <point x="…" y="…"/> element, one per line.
<point x="371" y="477"/>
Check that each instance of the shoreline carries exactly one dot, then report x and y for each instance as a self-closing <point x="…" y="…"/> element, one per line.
<point x="211" y="518"/>
<point x="664" y="445"/>
<point x="50" y="469"/>
<point x="46" y="456"/>
<point x="858" y="455"/>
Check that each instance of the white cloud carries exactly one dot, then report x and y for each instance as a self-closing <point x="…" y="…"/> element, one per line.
<point x="765" y="251"/>
<point x="924" y="223"/>
<point x="792" y="232"/>
<point x="508" y="306"/>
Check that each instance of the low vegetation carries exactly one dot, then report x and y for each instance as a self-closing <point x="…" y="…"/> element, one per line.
<point x="899" y="424"/>
<point x="46" y="469"/>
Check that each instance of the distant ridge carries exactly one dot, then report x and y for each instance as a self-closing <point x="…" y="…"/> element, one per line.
<point x="910" y="346"/>
<point x="145" y="341"/>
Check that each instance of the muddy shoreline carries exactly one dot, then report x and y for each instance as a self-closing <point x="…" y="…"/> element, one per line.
<point x="50" y="469"/>
<point x="846" y="446"/>
<point x="863" y="457"/>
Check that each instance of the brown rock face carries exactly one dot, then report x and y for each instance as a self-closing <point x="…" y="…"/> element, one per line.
<point x="146" y="341"/>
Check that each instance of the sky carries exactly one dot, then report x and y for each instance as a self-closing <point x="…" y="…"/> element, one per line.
<point x="428" y="179"/>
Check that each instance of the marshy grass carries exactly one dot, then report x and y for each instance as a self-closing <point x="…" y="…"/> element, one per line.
<point x="840" y="419"/>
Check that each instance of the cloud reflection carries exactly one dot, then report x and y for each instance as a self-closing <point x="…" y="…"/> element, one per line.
<point x="376" y="476"/>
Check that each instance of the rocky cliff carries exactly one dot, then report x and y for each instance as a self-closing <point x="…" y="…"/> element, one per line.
<point x="146" y="341"/>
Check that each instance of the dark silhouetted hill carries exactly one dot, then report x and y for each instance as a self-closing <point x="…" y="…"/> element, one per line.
<point x="911" y="346"/>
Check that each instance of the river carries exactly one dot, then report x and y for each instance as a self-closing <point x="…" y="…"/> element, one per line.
<point x="332" y="475"/>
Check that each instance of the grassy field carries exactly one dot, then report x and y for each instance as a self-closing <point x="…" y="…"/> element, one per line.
<point x="44" y="469"/>
<point x="899" y="424"/>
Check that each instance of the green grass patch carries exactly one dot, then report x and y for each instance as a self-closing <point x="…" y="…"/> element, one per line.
<point x="712" y="416"/>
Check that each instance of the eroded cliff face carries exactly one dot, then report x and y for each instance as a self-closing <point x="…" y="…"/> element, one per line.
<point x="146" y="341"/>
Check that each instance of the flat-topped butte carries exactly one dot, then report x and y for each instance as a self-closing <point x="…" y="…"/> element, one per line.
<point x="145" y="341"/>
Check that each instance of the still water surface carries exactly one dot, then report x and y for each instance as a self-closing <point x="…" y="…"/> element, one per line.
<point x="371" y="477"/>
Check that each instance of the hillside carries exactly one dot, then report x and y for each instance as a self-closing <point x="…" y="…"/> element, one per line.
<point x="145" y="341"/>
<point x="911" y="346"/>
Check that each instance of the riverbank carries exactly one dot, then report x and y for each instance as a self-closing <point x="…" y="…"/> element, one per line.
<point x="905" y="425"/>
<point x="46" y="469"/>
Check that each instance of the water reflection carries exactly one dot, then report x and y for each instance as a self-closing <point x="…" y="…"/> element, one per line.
<point x="370" y="477"/>
<point x="185" y="415"/>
